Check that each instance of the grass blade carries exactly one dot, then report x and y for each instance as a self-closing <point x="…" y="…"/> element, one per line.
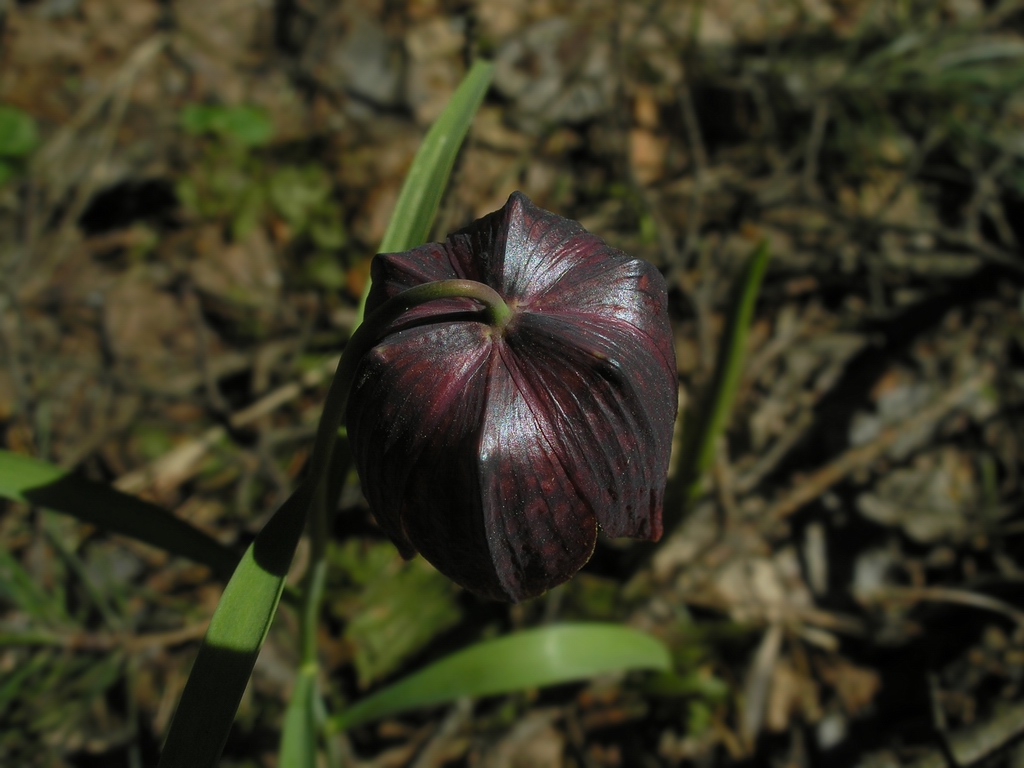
<point x="427" y="179"/>
<point x="32" y="481"/>
<point x="708" y="414"/>
<point x="233" y="640"/>
<point x="250" y="600"/>
<point x="428" y="176"/>
<point x="535" y="658"/>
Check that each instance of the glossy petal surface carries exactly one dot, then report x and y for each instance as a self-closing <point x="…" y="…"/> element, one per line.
<point x="498" y="454"/>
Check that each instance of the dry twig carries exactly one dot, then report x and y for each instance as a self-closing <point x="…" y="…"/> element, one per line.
<point x="178" y="465"/>
<point x="862" y="457"/>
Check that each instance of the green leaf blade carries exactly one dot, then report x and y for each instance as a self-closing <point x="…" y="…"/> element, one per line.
<point x="237" y="630"/>
<point x="531" y="659"/>
<point x="428" y="175"/>
<point x="706" y="418"/>
<point x="33" y="481"/>
<point x="732" y="354"/>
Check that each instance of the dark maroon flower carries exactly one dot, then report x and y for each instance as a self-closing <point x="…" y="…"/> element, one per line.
<point x="497" y="452"/>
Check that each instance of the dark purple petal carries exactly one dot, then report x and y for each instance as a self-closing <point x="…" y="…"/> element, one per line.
<point x="606" y="400"/>
<point x="538" y="534"/>
<point x="419" y="397"/>
<point x="497" y="454"/>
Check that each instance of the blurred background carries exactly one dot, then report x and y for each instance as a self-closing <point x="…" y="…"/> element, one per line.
<point x="191" y="191"/>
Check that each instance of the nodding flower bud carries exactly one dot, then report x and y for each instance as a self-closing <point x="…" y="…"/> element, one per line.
<point x="497" y="449"/>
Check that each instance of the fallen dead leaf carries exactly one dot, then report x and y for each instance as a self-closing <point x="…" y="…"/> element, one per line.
<point x="855" y="686"/>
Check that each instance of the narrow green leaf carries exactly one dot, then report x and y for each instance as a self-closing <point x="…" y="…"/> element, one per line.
<point x="427" y="179"/>
<point x="716" y="402"/>
<point x="708" y="414"/>
<point x="233" y="640"/>
<point x="428" y="176"/>
<point x="250" y="600"/>
<point x="535" y="658"/>
<point x="298" y="744"/>
<point x="299" y="735"/>
<point x="32" y="481"/>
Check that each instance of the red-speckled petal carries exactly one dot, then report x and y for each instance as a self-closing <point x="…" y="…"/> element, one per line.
<point x="539" y="532"/>
<point x="609" y="405"/>
<point x="414" y="410"/>
<point x="521" y="251"/>
<point x="542" y="249"/>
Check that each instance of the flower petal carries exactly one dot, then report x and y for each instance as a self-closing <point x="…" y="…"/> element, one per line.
<point x="539" y="532"/>
<point x="521" y="251"/>
<point x="415" y="406"/>
<point x="606" y="405"/>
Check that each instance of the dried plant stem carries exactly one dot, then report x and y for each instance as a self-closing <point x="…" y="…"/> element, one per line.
<point x="863" y="456"/>
<point x="700" y="169"/>
<point x="179" y="464"/>
<point x="897" y="594"/>
<point x="818" y="124"/>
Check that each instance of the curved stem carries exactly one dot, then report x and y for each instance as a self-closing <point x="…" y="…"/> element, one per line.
<point x="372" y="330"/>
<point x="370" y="333"/>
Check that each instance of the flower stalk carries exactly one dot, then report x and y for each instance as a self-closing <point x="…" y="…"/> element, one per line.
<point x="493" y="311"/>
<point x="372" y="330"/>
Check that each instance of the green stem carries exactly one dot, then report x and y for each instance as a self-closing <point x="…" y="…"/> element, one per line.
<point x="316" y="576"/>
<point x="370" y="333"/>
